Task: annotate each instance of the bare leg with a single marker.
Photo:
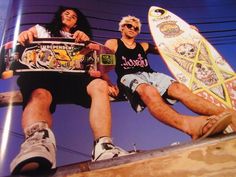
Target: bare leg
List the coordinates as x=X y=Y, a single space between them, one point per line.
x=37 y=110
x=100 y=111
x=100 y=122
x=164 y=113
x=196 y=103
x=38 y=150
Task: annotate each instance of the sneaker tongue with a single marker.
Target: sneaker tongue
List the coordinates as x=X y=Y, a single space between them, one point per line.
x=35 y=128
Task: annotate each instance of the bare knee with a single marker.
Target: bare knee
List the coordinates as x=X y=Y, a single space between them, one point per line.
x=176 y=89
x=41 y=95
x=97 y=86
x=148 y=93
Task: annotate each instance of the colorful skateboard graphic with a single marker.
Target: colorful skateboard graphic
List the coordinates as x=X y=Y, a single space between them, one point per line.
x=55 y=55
x=192 y=59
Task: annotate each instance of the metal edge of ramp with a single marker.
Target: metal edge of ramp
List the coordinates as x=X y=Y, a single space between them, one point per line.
x=214 y=157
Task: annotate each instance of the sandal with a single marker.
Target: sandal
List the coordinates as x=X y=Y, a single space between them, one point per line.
x=224 y=119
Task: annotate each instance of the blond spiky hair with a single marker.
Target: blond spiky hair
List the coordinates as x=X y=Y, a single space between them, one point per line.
x=128 y=19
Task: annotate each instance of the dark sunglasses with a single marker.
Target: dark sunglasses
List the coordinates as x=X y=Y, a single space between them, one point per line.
x=131 y=26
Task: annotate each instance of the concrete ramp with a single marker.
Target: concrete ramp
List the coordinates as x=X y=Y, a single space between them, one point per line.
x=212 y=157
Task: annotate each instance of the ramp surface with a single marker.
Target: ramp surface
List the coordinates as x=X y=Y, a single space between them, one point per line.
x=214 y=157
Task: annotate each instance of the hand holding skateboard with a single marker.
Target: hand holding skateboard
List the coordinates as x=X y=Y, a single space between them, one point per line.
x=55 y=55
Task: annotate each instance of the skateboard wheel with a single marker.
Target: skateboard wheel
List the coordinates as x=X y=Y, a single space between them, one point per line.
x=7 y=74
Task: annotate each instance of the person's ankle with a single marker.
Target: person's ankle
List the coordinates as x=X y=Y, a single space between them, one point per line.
x=104 y=139
x=37 y=126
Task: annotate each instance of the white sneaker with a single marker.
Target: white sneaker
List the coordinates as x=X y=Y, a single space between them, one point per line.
x=104 y=149
x=38 y=152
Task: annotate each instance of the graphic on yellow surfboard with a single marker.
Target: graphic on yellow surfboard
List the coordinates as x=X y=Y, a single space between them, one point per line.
x=192 y=59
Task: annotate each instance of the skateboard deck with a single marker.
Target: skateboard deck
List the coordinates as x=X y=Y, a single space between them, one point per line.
x=191 y=59
x=55 y=55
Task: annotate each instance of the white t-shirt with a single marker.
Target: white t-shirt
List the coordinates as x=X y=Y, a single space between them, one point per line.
x=43 y=33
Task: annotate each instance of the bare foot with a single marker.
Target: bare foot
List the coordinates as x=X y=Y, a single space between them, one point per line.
x=202 y=127
x=233 y=124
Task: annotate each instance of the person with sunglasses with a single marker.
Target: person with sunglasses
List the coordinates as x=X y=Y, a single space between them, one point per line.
x=43 y=91
x=144 y=87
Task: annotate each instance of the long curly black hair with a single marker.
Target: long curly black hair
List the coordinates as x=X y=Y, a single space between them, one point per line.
x=55 y=25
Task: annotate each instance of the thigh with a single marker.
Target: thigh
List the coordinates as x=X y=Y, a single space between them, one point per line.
x=132 y=81
x=129 y=84
x=160 y=81
x=73 y=90
x=30 y=81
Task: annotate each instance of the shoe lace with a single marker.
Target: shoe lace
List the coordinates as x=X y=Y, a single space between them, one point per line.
x=36 y=138
x=114 y=149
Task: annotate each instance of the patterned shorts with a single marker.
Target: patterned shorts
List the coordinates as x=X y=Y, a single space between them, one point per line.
x=160 y=81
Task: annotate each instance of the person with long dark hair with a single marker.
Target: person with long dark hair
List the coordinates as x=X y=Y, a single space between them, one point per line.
x=42 y=91
x=57 y=23
x=64 y=24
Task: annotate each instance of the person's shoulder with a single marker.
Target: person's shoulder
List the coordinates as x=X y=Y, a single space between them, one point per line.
x=39 y=27
x=145 y=45
x=111 y=41
x=112 y=44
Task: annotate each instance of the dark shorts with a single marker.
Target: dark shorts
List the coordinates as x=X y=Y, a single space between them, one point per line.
x=65 y=88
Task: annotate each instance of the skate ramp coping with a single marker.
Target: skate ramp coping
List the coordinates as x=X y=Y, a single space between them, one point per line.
x=215 y=157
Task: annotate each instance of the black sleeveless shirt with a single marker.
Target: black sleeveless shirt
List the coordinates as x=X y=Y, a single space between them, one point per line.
x=130 y=61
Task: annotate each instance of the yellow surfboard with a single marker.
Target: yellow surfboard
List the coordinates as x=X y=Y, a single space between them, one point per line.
x=191 y=59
